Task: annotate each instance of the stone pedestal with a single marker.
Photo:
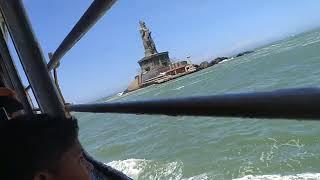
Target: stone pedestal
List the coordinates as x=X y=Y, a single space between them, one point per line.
x=153 y=65
x=154 y=61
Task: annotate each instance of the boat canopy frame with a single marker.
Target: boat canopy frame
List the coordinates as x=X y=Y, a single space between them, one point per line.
x=302 y=103
x=299 y=103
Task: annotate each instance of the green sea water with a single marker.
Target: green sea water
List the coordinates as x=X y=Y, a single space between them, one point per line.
x=163 y=147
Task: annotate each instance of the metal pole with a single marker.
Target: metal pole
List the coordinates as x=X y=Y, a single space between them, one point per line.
x=14 y=76
x=291 y=104
x=30 y=100
x=96 y=10
x=27 y=88
x=56 y=82
x=2 y=80
x=31 y=57
x=55 y=77
x=5 y=75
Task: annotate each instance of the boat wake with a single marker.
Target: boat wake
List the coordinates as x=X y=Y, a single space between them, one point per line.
x=148 y=169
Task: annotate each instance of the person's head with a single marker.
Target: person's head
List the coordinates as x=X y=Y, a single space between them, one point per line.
x=39 y=147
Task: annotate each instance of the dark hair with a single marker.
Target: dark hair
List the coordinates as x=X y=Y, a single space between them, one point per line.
x=34 y=143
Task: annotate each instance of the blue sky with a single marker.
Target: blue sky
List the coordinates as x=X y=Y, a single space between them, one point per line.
x=105 y=59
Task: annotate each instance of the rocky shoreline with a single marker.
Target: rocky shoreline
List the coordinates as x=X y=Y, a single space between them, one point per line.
x=196 y=67
x=206 y=64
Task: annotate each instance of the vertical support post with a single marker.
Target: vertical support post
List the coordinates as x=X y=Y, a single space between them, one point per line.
x=14 y=76
x=31 y=57
x=56 y=82
x=55 y=76
x=30 y=101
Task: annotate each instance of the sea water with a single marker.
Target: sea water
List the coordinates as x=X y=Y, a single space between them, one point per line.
x=163 y=147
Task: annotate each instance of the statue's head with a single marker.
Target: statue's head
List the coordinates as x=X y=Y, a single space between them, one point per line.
x=142 y=24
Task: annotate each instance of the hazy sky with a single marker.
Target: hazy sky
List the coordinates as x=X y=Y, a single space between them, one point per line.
x=105 y=59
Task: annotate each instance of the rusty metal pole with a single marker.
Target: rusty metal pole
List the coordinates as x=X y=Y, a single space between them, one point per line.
x=32 y=58
x=14 y=76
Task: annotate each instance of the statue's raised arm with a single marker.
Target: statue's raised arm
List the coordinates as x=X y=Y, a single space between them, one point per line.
x=148 y=44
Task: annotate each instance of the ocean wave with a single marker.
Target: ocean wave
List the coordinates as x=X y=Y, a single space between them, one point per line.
x=203 y=176
x=227 y=60
x=194 y=82
x=130 y=167
x=311 y=42
x=148 y=169
x=304 y=176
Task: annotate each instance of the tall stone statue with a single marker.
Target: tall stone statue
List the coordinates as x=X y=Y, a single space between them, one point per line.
x=148 y=44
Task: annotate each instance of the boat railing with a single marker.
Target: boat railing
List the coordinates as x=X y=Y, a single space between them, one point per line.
x=96 y=10
x=290 y=103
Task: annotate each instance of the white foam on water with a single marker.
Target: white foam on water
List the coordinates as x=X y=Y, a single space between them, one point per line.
x=311 y=42
x=178 y=88
x=226 y=60
x=147 y=169
x=304 y=176
x=130 y=167
x=195 y=82
x=199 y=177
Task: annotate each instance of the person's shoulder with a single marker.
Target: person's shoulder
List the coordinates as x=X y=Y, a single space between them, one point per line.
x=7 y=92
x=9 y=101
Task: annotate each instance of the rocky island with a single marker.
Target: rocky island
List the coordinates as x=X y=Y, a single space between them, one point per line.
x=156 y=67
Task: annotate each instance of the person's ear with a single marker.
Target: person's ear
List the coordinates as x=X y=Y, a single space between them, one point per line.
x=41 y=176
